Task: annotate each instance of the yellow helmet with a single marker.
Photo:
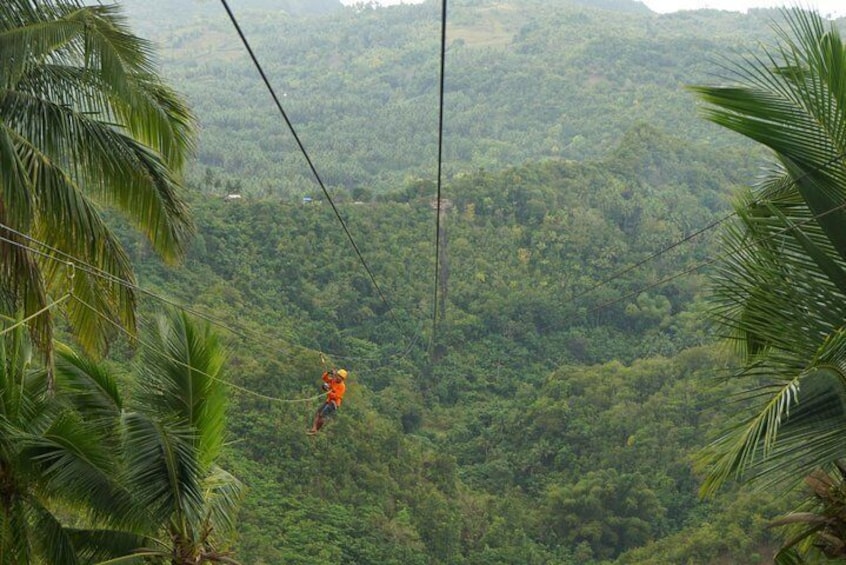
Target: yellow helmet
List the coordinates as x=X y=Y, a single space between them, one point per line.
x=342 y=373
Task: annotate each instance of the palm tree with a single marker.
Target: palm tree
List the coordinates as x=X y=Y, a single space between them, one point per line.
x=85 y=122
x=138 y=479
x=55 y=459
x=781 y=291
x=172 y=439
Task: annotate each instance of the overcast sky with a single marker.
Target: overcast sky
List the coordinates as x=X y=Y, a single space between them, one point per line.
x=825 y=7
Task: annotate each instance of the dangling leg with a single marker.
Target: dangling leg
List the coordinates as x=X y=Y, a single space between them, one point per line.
x=320 y=418
x=318 y=422
x=326 y=412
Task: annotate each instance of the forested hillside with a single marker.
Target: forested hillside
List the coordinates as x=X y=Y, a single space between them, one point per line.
x=554 y=409
x=554 y=415
x=559 y=420
x=524 y=80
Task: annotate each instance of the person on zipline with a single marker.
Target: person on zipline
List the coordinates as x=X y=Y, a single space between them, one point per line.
x=335 y=387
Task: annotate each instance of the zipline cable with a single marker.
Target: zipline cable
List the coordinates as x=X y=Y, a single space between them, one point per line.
x=164 y=355
x=302 y=148
x=713 y=260
x=90 y=269
x=440 y=175
x=35 y=315
x=618 y=274
x=97 y=272
x=786 y=183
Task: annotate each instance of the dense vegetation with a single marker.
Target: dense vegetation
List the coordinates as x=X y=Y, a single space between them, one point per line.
x=552 y=414
x=524 y=81
x=779 y=286
x=550 y=428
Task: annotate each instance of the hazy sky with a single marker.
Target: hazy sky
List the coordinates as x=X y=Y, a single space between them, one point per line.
x=825 y=7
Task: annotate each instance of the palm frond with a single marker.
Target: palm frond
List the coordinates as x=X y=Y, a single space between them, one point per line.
x=84 y=115
x=789 y=556
x=96 y=545
x=22 y=279
x=224 y=494
x=800 y=427
x=152 y=113
x=15 y=183
x=750 y=441
x=88 y=386
x=781 y=282
x=14 y=532
x=52 y=538
x=162 y=468
x=15 y=359
x=182 y=377
x=792 y=103
x=69 y=223
x=32 y=32
x=76 y=463
x=828 y=267
x=112 y=165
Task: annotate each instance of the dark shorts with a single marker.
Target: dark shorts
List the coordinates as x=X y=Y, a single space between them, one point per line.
x=327 y=409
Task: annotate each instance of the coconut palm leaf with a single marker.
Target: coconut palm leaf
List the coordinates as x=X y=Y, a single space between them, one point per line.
x=182 y=377
x=110 y=72
x=15 y=358
x=777 y=293
x=94 y=546
x=780 y=292
x=224 y=494
x=175 y=435
x=793 y=102
x=162 y=468
x=88 y=386
x=789 y=556
x=14 y=533
x=20 y=276
x=811 y=434
x=767 y=286
x=83 y=118
x=73 y=228
x=140 y=470
x=60 y=544
x=75 y=460
x=52 y=457
x=17 y=199
x=52 y=540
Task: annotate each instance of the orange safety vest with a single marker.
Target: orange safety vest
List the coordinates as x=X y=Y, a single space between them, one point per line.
x=337 y=388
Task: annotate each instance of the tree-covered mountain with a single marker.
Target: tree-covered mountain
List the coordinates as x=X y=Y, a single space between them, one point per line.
x=559 y=419
x=552 y=411
x=524 y=80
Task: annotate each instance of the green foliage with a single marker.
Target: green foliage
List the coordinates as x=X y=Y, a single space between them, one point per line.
x=524 y=82
x=539 y=402
x=779 y=289
x=88 y=476
x=85 y=122
x=607 y=511
x=738 y=531
x=554 y=416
